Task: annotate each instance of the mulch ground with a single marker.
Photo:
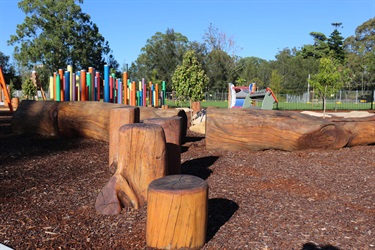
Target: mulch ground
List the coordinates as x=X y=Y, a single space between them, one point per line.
x=257 y=200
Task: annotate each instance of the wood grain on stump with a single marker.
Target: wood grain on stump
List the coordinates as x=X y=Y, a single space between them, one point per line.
x=118 y=117
x=141 y=159
x=172 y=129
x=177 y=212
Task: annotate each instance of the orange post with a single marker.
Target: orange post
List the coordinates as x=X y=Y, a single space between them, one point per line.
x=62 y=87
x=156 y=95
x=5 y=90
x=83 y=85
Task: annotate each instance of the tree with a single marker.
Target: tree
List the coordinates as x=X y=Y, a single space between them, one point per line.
x=361 y=54
x=221 y=69
x=335 y=43
x=160 y=57
x=9 y=71
x=275 y=82
x=29 y=89
x=221 y=60
x=317 y=50
x=328 y=80
x=254 y=69
x=189 y=79
x=56 y=33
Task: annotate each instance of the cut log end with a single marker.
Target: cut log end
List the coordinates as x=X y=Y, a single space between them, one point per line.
x=177 y=212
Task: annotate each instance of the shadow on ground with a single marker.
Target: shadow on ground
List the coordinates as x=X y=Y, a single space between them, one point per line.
x=199 y=167
x=219 y=212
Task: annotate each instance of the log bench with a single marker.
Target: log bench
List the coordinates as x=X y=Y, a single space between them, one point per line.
x=84 y=119
x=249 y=129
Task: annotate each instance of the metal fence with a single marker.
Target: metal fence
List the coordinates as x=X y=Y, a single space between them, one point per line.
x=342 y=100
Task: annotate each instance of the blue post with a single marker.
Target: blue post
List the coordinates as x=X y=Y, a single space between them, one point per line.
x=67 y=86
x=106 y=83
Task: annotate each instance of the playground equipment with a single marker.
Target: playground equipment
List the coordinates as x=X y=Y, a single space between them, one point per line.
x=35 y=79
x=248 y=97
x=5 y=90
x=90 y=85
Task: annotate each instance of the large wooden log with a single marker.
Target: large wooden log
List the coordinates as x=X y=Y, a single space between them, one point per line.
x=84 y=119
x=361 y=130
x=141 y=159
x=32 y=117
x=172 y=130
x=177 y=212
x=249 y=129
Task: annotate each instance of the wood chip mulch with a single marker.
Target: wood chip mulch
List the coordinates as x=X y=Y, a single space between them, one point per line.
x=257 y=200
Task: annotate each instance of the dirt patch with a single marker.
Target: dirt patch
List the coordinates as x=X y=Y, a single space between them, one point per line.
x=257 y=200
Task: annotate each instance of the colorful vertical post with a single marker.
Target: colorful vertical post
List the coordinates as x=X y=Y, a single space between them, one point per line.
x=58 y=90
x=106 y=83
x=124 y=81
x=89 y=86
x=83 y=85
x=71 y=89
x=67 y=86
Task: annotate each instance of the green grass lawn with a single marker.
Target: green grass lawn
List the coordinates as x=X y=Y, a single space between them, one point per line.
x=289 y=106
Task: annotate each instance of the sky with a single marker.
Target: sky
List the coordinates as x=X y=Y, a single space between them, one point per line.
x=259 y=28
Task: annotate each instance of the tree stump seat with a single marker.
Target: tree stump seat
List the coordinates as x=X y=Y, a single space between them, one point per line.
x=177 y=212
x=173 y=135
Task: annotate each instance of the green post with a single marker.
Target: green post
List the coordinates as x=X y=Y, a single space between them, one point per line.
x=88 y=83
x=58 y=93
x=164 y=89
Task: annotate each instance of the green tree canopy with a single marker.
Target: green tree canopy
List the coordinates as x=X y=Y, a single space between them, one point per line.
x=328 y=80
x=361 y=55
x=160 y=57
x=189 y=79
x=335 y=43
x=56 y=33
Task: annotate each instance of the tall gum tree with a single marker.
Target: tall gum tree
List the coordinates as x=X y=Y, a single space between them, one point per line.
x=56 y=33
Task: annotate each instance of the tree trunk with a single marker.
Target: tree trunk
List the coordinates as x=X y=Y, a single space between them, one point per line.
x=177 y=212
x=141 y=159
x=249 y=129
x=172 y=131
x=32 y=117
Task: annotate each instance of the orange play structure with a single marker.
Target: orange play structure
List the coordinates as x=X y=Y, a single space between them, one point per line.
x=5 y=90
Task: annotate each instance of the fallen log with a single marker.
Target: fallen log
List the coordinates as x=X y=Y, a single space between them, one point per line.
x=91 y=119
x=361 y=130
x=249 y=129
x=32 y=117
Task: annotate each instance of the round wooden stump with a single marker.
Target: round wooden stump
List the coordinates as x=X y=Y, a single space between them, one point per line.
x=177 y=212
x=172 y=129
